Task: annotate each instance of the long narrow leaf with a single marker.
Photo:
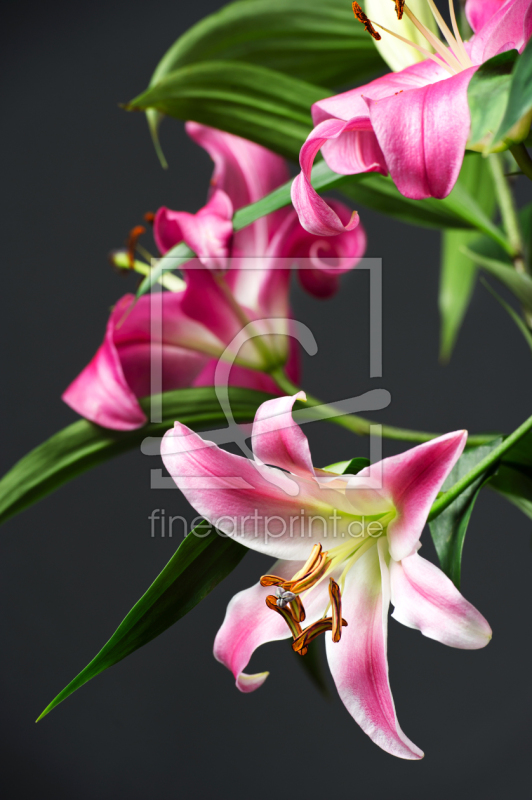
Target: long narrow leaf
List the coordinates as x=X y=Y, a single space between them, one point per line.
x=307 y=39
x=260 y=104
x=458 y=271
x=519 y=284
x=83 y=445
x=519 y=104
x=448 y=530
x=203 y=559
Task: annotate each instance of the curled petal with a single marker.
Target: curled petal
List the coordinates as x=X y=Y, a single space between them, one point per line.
x=278 y=440
x=208 y=232
x=425 y=599
x=315 y=215
x=246 y=172
x=320 y=261
x=359 y=661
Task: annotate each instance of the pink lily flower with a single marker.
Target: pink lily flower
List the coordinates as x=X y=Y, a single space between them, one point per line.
x=413 y=124
x=245 y=172
x=199 y=322
x=279 y=504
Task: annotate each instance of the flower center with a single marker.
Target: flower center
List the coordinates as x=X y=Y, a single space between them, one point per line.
x=453 y=59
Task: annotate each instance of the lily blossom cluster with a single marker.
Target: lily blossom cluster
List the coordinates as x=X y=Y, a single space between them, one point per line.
x=412 y=124
x=238 y=279
x=344 y=552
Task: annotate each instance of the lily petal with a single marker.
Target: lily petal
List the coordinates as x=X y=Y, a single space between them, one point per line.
x=479 y=12
x=321 y=260
x=261 y=507
x=423 y=134
x=249 y=623
x=507 y=29
x=278 y=440
x=315 y=215
x=208 y=232
x=246 y=172
x=106 y=391
x=425 y=599
x=359 y=662
x=411 y=482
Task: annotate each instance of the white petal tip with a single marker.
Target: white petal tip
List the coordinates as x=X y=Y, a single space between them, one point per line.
x=248 y=683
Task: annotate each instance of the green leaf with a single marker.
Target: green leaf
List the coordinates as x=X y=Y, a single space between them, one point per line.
x=515 y=485
x=488 y=97
x=448 y=530
x=83 y=445
x=203 y=559
x=355 y=466
x=523 y=328
x=518 y=283
x=458 y=271
x=516 y=121
x=254 y=102
x=459 y=210
x=307 y=39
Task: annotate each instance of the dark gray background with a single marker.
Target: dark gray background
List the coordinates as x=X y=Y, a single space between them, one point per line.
x=77 y=174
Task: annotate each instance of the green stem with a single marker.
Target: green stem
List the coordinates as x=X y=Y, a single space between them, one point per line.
x=489 y=461
x=522 y=156
x=362 y=426
x=509 y=213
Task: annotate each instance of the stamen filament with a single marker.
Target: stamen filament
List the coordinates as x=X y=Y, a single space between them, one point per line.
x=460 y=45
x=440 y=48
x=420 y=49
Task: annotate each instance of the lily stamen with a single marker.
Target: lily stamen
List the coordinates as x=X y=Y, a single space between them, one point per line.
x=368 y=25
x=336 y=606
x=454 y=58
x=312 y=632
x=306 y=577
x=295 y=627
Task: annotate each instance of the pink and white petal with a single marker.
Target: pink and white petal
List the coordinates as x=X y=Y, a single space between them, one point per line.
x=479 y=12
x=101 y=392
x=205 y=302
x=261 y=507
x=350 y=106
x=278 y=440
x=359 y=661
x=411 y=482
x=320 y=260
x=238 y=376
x=246 y=172
x=425 y=599
x=508 y=28
x=423 y=134
x=249 y=623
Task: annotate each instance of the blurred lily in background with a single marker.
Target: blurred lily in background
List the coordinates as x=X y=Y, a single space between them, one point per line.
x=412 y=124
x=280 y=505
x=237 y=279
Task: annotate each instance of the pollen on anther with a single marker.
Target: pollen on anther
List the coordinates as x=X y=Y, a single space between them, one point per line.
x=359 y=14
x=399 y=8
